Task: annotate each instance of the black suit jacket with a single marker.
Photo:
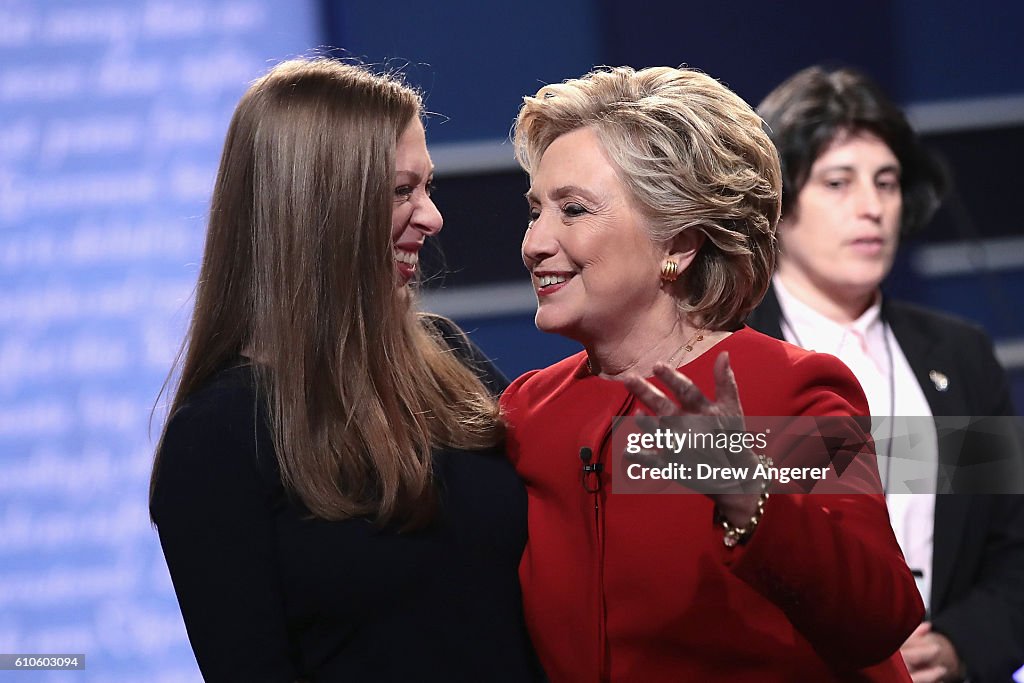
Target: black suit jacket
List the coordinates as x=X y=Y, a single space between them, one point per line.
x=977 y=591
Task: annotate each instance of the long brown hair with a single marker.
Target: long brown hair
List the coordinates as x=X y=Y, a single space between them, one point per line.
x=298 y=273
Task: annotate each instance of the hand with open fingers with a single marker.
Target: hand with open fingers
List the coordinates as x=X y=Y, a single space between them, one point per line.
x=736 y=499
x=930 y=656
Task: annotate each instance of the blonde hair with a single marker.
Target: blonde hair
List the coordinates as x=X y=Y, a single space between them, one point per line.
x=693 y=156
x=298 y=272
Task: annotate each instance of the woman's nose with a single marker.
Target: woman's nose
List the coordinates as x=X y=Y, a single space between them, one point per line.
x=427 y=218
x=870 y=202
x=538 y=243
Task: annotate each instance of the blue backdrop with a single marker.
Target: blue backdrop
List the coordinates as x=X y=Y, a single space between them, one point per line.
x=112 y=115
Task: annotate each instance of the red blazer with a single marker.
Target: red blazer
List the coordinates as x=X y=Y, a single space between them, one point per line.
x=642 y=587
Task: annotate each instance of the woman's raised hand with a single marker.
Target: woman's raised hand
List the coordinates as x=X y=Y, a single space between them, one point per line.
x=736 y=498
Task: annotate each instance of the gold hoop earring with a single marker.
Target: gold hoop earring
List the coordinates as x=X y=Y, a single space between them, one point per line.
x=669 y=270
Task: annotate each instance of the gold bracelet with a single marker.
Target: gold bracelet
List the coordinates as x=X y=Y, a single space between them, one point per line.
x=736 y=535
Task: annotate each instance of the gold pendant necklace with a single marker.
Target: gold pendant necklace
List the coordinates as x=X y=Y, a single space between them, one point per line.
x=697 y=337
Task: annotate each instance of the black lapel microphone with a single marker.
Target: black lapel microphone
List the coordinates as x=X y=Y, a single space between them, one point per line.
x=591 y=475
x=586 y=455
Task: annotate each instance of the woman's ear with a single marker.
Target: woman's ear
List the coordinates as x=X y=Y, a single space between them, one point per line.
x=684 y=247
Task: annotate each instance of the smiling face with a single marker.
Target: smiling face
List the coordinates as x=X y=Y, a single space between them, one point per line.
x=839 y=243
x=414 y=217
x=593 y=264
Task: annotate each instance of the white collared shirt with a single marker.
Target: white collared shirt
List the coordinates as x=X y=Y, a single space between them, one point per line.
x=868 y=348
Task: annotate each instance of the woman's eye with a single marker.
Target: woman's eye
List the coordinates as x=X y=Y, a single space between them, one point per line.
x=835 y=184
x=430 y=187
x=534 y=214
x=572 y=209
x=404 y=191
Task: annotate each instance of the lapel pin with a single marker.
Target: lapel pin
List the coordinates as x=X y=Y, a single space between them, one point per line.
x=940 y=381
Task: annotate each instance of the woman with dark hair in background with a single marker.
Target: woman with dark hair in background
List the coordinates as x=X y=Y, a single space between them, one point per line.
x=653 y=203
x=855 y=178
x=328 y=488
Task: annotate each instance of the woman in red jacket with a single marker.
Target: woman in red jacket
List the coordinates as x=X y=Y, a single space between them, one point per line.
x=653 y=205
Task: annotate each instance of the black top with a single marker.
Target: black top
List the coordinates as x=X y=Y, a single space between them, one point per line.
x=270 y=594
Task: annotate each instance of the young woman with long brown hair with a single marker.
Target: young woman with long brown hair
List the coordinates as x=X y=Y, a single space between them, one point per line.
x=328 y=489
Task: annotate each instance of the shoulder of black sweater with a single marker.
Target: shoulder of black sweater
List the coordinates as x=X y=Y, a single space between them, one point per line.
x=229 y=401
x=469 y=353
x=219 y=431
